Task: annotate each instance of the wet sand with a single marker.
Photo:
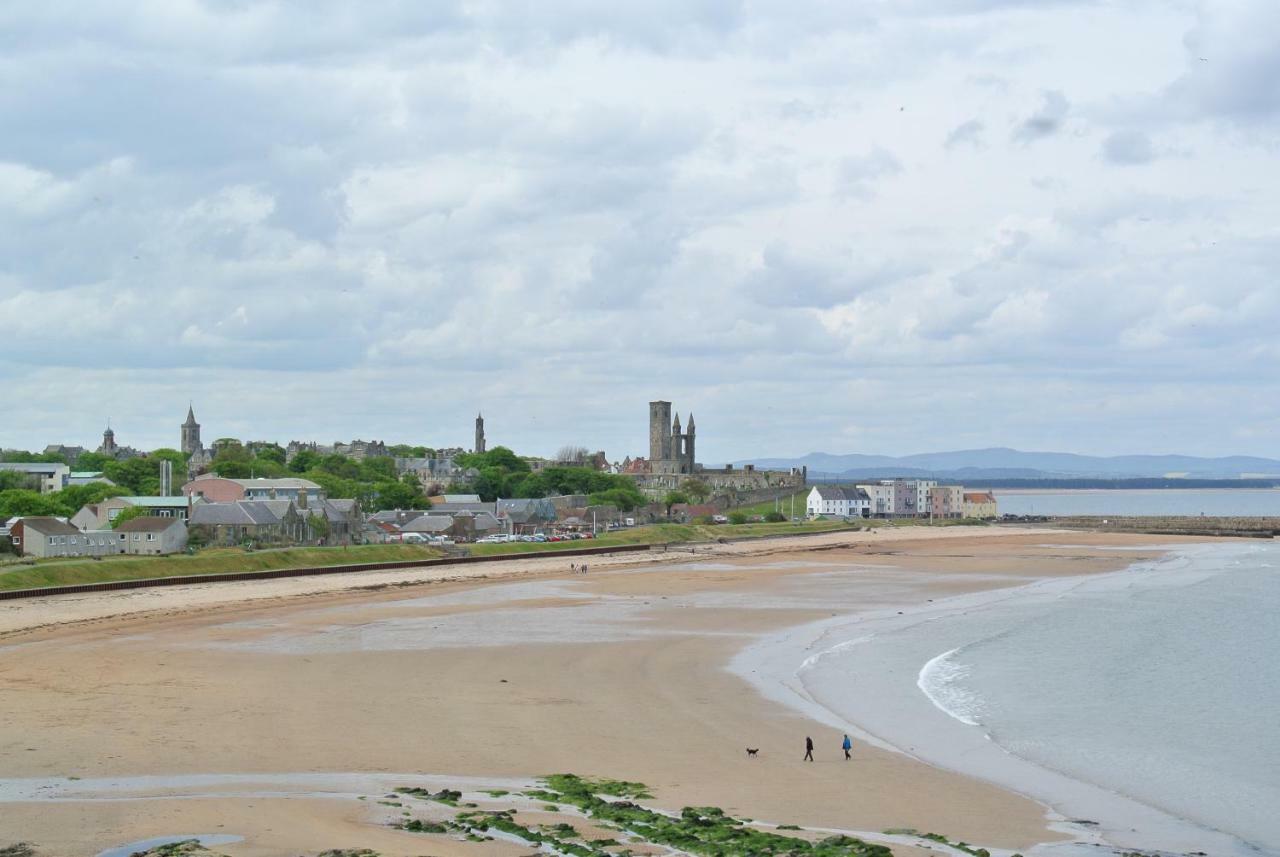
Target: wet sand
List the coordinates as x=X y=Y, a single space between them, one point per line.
x=620 y=673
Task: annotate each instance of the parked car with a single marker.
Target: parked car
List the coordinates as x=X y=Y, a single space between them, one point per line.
x=588 y=535
x=495 y=539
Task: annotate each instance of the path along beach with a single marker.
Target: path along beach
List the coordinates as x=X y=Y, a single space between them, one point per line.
x=497 y=673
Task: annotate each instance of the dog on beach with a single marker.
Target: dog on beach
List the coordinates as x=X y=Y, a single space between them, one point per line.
x=752 y=753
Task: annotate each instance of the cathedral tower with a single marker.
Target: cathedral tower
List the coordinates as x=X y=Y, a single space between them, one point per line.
x=480 y=445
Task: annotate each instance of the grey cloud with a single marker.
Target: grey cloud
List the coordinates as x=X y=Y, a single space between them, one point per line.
x=1127 y=148
x=966 y=133
x=1046 y=121
x=858 y=173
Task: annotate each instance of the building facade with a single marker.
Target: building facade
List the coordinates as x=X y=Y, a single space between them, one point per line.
x=47 y=476
x=43 y=537
x=218 y=489
x=980 y=505
x=150 y=536
x=838 y=502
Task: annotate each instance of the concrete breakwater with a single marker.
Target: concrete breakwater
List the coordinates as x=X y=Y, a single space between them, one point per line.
x=1178 y=525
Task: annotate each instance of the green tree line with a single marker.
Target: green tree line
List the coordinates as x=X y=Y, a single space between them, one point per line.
x=504 y=474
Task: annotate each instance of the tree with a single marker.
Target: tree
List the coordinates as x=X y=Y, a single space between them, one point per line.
x=672 y=498
x=93 y=462
x=499 y=456
x=74 y=497
x=775 y=517
x=140 y=476
x=340 y=465
x=737 y=517
x=304 y=460
x=696 y=489
x=572 y=454
x=271 y=452
x=399 y=495
x=379 y=468
x=128 y=513
x=16 y=479
x=22 y=501
x=625 y=498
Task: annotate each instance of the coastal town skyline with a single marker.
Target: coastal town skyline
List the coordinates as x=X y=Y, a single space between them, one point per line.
x=464 y=438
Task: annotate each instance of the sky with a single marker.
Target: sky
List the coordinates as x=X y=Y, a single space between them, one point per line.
x=882 y=227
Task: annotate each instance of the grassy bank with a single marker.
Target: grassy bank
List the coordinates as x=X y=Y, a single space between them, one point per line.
x=782 y=505
x=211 y=561
x=664 y=534
x=219 y=560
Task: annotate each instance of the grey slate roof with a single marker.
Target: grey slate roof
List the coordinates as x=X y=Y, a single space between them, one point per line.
x=461 y=507
x=428 y=524
x=149 y=524
x=835 y=493
x=241 y=513
x=49 y=526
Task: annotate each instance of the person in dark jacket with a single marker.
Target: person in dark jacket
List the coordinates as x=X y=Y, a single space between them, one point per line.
x=808 y=749
x=847 y=745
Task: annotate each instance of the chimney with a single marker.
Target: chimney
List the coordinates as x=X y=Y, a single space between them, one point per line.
x=302 y=499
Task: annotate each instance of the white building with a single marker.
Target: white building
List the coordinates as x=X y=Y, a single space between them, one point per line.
x=838 y=502
x=50 y=476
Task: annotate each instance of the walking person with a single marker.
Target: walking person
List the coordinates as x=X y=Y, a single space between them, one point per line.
x=573 y=568
x=808 y=749
x=847 y=745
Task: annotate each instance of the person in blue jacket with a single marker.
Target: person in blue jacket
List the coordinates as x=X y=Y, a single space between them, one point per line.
x=848 y=745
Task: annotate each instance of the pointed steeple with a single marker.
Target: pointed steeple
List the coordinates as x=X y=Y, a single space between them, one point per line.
x=675 y=426
x=191 y=415
x=691 y=426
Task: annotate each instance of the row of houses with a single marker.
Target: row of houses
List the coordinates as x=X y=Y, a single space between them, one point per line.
x=44 y=537
x=900 y=498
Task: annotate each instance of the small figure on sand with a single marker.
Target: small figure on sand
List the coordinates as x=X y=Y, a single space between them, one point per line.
x=808 y=749
x=573 y=568
x=847 y=745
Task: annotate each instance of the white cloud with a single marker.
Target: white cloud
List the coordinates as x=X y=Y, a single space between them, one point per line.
x=321 y=223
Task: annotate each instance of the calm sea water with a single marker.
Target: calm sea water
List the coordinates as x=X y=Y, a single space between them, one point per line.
x=1212 y=503
x=1165 y=690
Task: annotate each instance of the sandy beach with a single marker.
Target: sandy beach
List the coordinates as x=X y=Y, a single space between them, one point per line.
x=268 y=710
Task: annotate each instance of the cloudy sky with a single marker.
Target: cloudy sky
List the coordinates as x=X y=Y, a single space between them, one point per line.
x=883 y=227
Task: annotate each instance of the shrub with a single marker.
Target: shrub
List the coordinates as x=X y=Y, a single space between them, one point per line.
x=775 y=517
x=737 y=518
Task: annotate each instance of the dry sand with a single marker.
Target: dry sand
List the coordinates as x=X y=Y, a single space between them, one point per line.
x=509 y=670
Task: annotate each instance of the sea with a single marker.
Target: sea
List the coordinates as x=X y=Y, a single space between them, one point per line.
x=1120 y=502
x=1140 y=706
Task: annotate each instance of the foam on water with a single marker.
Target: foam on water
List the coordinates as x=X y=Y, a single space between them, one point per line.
x=940 y=680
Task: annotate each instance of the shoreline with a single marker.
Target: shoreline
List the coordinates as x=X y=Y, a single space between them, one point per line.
x=618 y=674
x=64 y=609
x=964 y=745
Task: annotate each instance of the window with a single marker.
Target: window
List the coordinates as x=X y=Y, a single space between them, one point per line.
x=73 y=540
x=52 y=541
x=151 y=537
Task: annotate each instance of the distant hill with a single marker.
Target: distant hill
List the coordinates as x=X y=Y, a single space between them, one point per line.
x=1003 y=463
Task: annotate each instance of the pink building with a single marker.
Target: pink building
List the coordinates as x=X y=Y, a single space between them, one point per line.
x=217 y=489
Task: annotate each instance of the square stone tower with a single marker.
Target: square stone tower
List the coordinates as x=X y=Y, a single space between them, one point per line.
x=659 y=431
